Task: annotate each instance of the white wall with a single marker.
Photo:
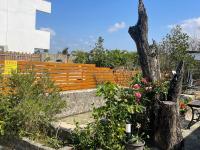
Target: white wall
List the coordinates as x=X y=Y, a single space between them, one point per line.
x=17 y=25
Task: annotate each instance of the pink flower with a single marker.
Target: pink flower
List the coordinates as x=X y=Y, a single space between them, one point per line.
x=138 y=95
x=136 y=86
x=144 y=81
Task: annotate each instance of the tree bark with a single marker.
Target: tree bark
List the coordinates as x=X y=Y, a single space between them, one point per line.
x=148 y=58
x=167 y=135
x=167 y=131
x=174 y=92
x=175 y=87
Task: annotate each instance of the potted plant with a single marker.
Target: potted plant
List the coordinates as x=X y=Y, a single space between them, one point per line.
x=135 y=140
x=135 y=143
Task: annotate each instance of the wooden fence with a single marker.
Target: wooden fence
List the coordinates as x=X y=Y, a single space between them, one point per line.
x=77 y=76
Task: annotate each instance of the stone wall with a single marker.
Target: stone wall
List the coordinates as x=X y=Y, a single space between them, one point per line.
x=80 y=101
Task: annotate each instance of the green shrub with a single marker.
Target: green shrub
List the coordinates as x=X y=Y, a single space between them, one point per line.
x=28 y=105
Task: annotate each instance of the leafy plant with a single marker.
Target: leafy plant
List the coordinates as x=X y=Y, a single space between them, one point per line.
x=29 y=105
x=107 y=132
x=2 y=126
x=98 y=53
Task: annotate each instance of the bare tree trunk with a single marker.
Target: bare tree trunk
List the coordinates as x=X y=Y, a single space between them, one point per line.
x=167 y=136
x=164 y=115
x=167 y=128
x=176 y=84
x=174 y=92
x=148 y=58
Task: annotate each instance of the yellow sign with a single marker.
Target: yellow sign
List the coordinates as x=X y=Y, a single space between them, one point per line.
x=9 y=66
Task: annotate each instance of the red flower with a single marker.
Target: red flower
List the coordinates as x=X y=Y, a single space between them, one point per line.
x=144 y=81
x=182 y=105
x=136 y=86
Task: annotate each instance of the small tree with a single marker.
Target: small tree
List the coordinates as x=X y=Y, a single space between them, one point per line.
x=65 y=51
x=174 y=48
x=98 y=54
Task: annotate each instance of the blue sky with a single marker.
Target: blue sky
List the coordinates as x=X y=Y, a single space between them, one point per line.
x=78 y=23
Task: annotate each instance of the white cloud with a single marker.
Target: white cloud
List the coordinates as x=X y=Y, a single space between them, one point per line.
x=117 y=26
x=190 y=26
x=52 y=32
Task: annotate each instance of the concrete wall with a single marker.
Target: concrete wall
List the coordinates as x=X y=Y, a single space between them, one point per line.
x=24 y=144
x=17 y=27
x=55 y=57
x=80 y=101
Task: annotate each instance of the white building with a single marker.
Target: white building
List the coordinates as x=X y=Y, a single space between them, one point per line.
x=18 y=23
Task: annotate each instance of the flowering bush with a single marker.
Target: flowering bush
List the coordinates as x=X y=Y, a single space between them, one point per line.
x=121 y=104
x=108 y=130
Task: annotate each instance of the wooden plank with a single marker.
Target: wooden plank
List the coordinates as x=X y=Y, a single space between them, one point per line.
x=61 y=82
